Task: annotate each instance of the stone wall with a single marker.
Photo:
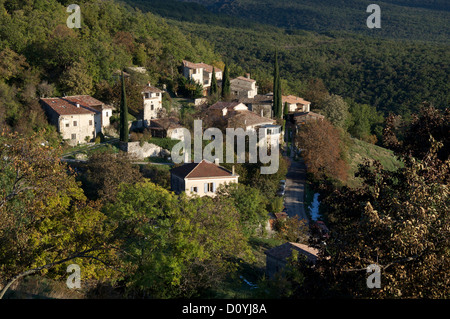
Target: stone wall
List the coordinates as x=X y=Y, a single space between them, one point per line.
x=142 y=151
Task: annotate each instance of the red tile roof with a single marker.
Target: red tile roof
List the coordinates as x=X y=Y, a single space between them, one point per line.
x=206 y=67
x=68 y=105
x=204 y=169
x=247 y=118
x=243 y=78
x=65 y=106
x=291 y=99
x=223 y=105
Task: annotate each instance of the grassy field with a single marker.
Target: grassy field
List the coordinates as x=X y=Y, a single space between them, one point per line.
x=359 y=151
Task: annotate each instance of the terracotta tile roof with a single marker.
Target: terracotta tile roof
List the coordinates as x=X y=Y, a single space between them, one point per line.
x=284 y=251
x=68 y=106
x=300 y=115
x=291 y=99
x=151 y=89
x=259 y=98
x=243 y=78
x=247 y=118
x=165 y=123
x=223 y=105
x=206 y=67
x=204 y=169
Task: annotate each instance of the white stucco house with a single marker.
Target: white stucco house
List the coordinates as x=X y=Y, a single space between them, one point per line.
x=296 y=104
x=201 y=179
x=201 y=73
x=243 y=87
x=78 y=118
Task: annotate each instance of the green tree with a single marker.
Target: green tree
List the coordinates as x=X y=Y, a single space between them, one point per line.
x=335 y=109
x=174 y=246
x=277 y=98
x=123 y=114
x=250 y=204
x=76 y=79
x=226 y=83
x=214 y=88
x=46 y=221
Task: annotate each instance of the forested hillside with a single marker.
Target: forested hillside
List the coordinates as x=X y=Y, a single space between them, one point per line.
x=41 y=56
x=392 y=75
x=401 y=19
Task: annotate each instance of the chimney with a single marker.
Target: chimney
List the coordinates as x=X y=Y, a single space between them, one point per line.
x=78 y=105
x=149 y=84
x=232 y=170
x=247 y=75
x=216 y=161
x=262 y=113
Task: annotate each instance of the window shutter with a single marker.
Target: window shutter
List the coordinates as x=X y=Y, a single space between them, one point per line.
x=206 y=187
x=214 y=187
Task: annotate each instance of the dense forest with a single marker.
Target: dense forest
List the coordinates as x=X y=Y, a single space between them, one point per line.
x=402 y=19
x=391 y=75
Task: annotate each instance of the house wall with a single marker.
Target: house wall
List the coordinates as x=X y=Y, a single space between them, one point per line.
x=155 y=102
x=194 y=74
x=177 y=134
x=200 y=184
x=243 y=89
x=85 y=127
x=177 y=184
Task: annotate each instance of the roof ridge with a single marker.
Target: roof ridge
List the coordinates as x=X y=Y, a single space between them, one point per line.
x=193 y=169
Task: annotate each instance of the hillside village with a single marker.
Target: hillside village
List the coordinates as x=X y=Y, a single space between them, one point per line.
x=81 y=120
x=165 y=151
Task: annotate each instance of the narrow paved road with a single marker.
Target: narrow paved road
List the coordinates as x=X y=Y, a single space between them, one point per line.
x=295 y=190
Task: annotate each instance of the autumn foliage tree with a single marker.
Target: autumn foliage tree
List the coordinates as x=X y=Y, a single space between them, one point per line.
x=322 y=150
x=397 y=220
x=45 y=218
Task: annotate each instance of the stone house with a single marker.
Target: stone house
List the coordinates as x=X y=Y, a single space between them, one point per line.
x=222 y=109
x=260 y=104
x=78 y=118
x=152 y=103
x=296 y=104
x=243 y=87
x=201 y=179
x=201 y=73
x=278 y=257
x=167 y=127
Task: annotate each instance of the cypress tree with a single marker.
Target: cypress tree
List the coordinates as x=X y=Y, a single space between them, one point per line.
x=214 y=83
x=277 y=99
x=226 y=83
x=123 y=114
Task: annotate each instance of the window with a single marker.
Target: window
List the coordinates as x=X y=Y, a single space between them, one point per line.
x=152 y=107
x=157 y=94
x=74 y=136
x=67 y=124
x=210 y=187
x=90 y=122
x=74 y=123
x=107 y=115
x=194 y=189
